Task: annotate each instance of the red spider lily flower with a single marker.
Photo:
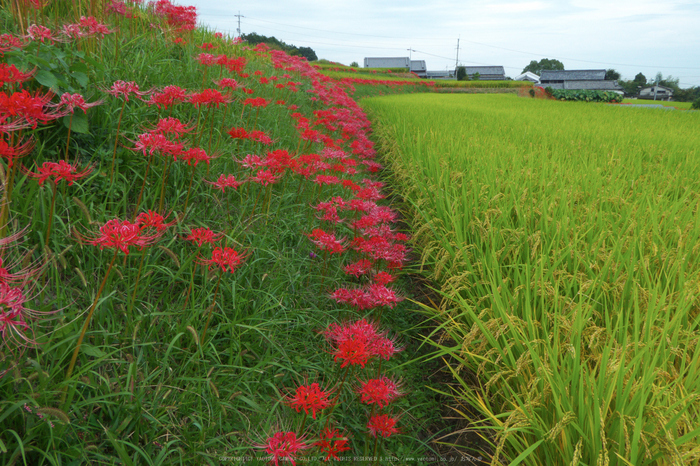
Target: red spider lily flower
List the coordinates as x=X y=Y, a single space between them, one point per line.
x=171 y=125
x=327 y=241
x=252 y=161
x=206 y=59
x=9 y=74
x=260 y=136
x=264 y=177
x=352 y=341
x=13 y=324
x=118 y=234
x=356 y=343
x=236 y=65
x=24 y=105
x=332 y=442
x=59 y=171
x=227 y=83
x=153 y=219
x=71 y=101
x=93 y=27
x=326 y=179
x=382 y=425
x=384 y=347
x=202 y=235
x=120 y=8
x=284 y=446
x=9 y=42
x=180 y=40
x=383 y=278
x=207 y=46
x=41 y=33
x=73 y=31
x=23 y=276
x=227 y=258
x=358 y=268
x=383 y=296
x=151 y=142
x=125 y=89
x=256 y=102
x=381 y=391
x=15 y=152
x=208 y=97
x=170 y=95
x=196 y=155
x=238 y=133
x=356 y=298
x=224 y=182
x=309 y=397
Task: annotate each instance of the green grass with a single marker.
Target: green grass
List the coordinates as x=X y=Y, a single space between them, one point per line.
x=563 y=239
x=149 y=387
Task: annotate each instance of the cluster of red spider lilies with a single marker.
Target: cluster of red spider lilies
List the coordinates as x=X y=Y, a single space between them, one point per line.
x=330 y=163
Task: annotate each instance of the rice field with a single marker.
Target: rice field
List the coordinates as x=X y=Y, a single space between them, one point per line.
x=564 y=240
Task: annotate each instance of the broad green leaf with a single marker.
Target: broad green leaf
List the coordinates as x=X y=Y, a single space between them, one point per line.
x=47 y=79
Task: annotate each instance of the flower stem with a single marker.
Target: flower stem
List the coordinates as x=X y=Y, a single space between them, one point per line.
x=211 y=308
x=53 y=203
x=116 y=140
x=87 y=323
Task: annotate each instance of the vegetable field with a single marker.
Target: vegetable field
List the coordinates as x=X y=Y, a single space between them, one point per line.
x=565 y=239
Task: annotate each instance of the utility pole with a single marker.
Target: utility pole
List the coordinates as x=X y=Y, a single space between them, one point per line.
x=239 y=22
x=457 y=59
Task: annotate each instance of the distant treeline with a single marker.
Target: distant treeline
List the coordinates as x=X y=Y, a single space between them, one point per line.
x=273 y=42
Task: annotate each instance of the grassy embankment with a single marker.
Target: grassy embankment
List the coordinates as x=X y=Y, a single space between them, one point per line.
x=564 y=240
x=124 y=337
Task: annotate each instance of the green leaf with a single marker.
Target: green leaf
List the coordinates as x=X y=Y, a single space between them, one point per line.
x=81 y=78
x=78 y=67
x=92 y=350
x=47 y=79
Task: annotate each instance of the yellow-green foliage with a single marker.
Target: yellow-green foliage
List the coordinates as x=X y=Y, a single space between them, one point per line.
x=482 y=84
x=566 y=240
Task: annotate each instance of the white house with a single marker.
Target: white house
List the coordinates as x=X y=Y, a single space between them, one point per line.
x=527 y=76
x=656 y=93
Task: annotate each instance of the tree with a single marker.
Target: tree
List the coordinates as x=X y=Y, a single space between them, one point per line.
x=462 y=74
x=640 y=79
x=354 y=64
x=612 y=75
x=274 y=43
x=544 y=64
x=308 y=53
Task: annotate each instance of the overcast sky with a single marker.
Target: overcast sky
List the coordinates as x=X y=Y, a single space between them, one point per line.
x=631 y=36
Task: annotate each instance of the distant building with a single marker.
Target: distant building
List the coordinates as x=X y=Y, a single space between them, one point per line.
x=416 y=66
x=589 y=80
x=387 y=62
x=486 y=73
x=442 y=74
x=656 y=93
x=527 y=76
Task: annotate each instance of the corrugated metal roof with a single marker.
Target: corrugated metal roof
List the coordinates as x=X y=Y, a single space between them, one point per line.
x=572 y=75
x=485 y=70
x=585 y=85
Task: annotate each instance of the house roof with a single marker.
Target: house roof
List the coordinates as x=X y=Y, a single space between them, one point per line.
x=572 y=75
x=527 y=76
x=651 y=88
x=485 y=70
x=586 y=85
